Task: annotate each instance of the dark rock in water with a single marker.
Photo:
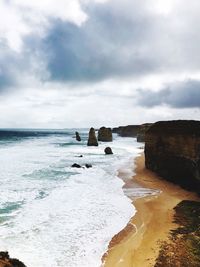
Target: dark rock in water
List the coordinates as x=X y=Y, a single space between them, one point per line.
x=105 y=134
x=172 y=150
x=88 y=165
x=92 y=140
x=108 y=151
x=75 y=165
x=78 y=138
x=6 y=261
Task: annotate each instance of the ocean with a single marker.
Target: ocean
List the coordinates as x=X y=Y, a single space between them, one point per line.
x=52 y=214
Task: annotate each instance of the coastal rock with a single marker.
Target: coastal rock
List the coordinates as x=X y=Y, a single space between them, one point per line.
x=108 y=151
x=142 y=131
x=105 y=134
x=75 y=165
x=127 y=131
x=6 y=261
x=137 y=131
x=78 y=138
x=92 y=140
x=88 y=165
x=172 y=150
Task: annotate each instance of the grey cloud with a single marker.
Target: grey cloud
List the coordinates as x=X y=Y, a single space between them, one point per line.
x=15 y=67
x=108 y=45
x=178 y=95
x=120 y=39
x=7 y=78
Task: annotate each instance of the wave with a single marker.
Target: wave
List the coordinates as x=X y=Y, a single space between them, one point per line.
x=54 y=215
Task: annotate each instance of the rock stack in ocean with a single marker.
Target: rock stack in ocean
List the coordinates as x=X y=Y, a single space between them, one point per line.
x=92 y=140
x=78 y=138
x=105 y=134
x=6 y=261
x=172 y=150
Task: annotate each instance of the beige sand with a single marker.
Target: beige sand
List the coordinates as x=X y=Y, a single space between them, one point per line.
x=138 y=244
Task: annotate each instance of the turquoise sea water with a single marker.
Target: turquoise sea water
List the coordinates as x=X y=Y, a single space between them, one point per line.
x=54 y=215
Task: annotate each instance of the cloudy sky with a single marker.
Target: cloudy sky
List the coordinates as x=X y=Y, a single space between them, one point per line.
x=81 y=63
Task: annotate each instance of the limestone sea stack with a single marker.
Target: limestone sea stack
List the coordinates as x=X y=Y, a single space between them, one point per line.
x=92 y=140
x=105 y=134
x=78 y=138
x=172 y=150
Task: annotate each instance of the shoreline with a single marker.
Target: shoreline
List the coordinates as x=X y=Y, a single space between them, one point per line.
x=138 y=244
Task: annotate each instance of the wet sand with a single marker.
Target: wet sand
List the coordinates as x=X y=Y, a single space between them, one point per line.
x=138 y=244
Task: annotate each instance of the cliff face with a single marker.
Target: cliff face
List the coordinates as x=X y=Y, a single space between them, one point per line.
x=172 y=149
x=127 y=131
x=142 y=131
x=137 y=131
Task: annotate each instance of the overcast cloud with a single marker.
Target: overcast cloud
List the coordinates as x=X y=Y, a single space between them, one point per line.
x=184 y=94
x=138 y=59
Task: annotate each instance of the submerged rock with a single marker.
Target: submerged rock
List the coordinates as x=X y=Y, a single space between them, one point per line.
x=105 y=134
x=88 y=165
x=92 y=140
x=75 y=165
x=78 y=138
x=6 y=261
x=108 y=151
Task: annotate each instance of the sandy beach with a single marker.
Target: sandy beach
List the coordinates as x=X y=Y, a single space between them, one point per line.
x=138 y=244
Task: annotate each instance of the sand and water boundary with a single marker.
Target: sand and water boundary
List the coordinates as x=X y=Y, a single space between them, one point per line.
x=138 y=244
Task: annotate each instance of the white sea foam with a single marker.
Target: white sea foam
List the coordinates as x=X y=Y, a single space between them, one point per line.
x=63 y=216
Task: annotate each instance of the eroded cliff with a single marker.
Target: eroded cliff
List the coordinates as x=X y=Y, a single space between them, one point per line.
x=137 y=131
x=172 y=150
x=127 y=131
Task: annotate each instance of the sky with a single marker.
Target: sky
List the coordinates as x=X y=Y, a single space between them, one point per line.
x=82 y=63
